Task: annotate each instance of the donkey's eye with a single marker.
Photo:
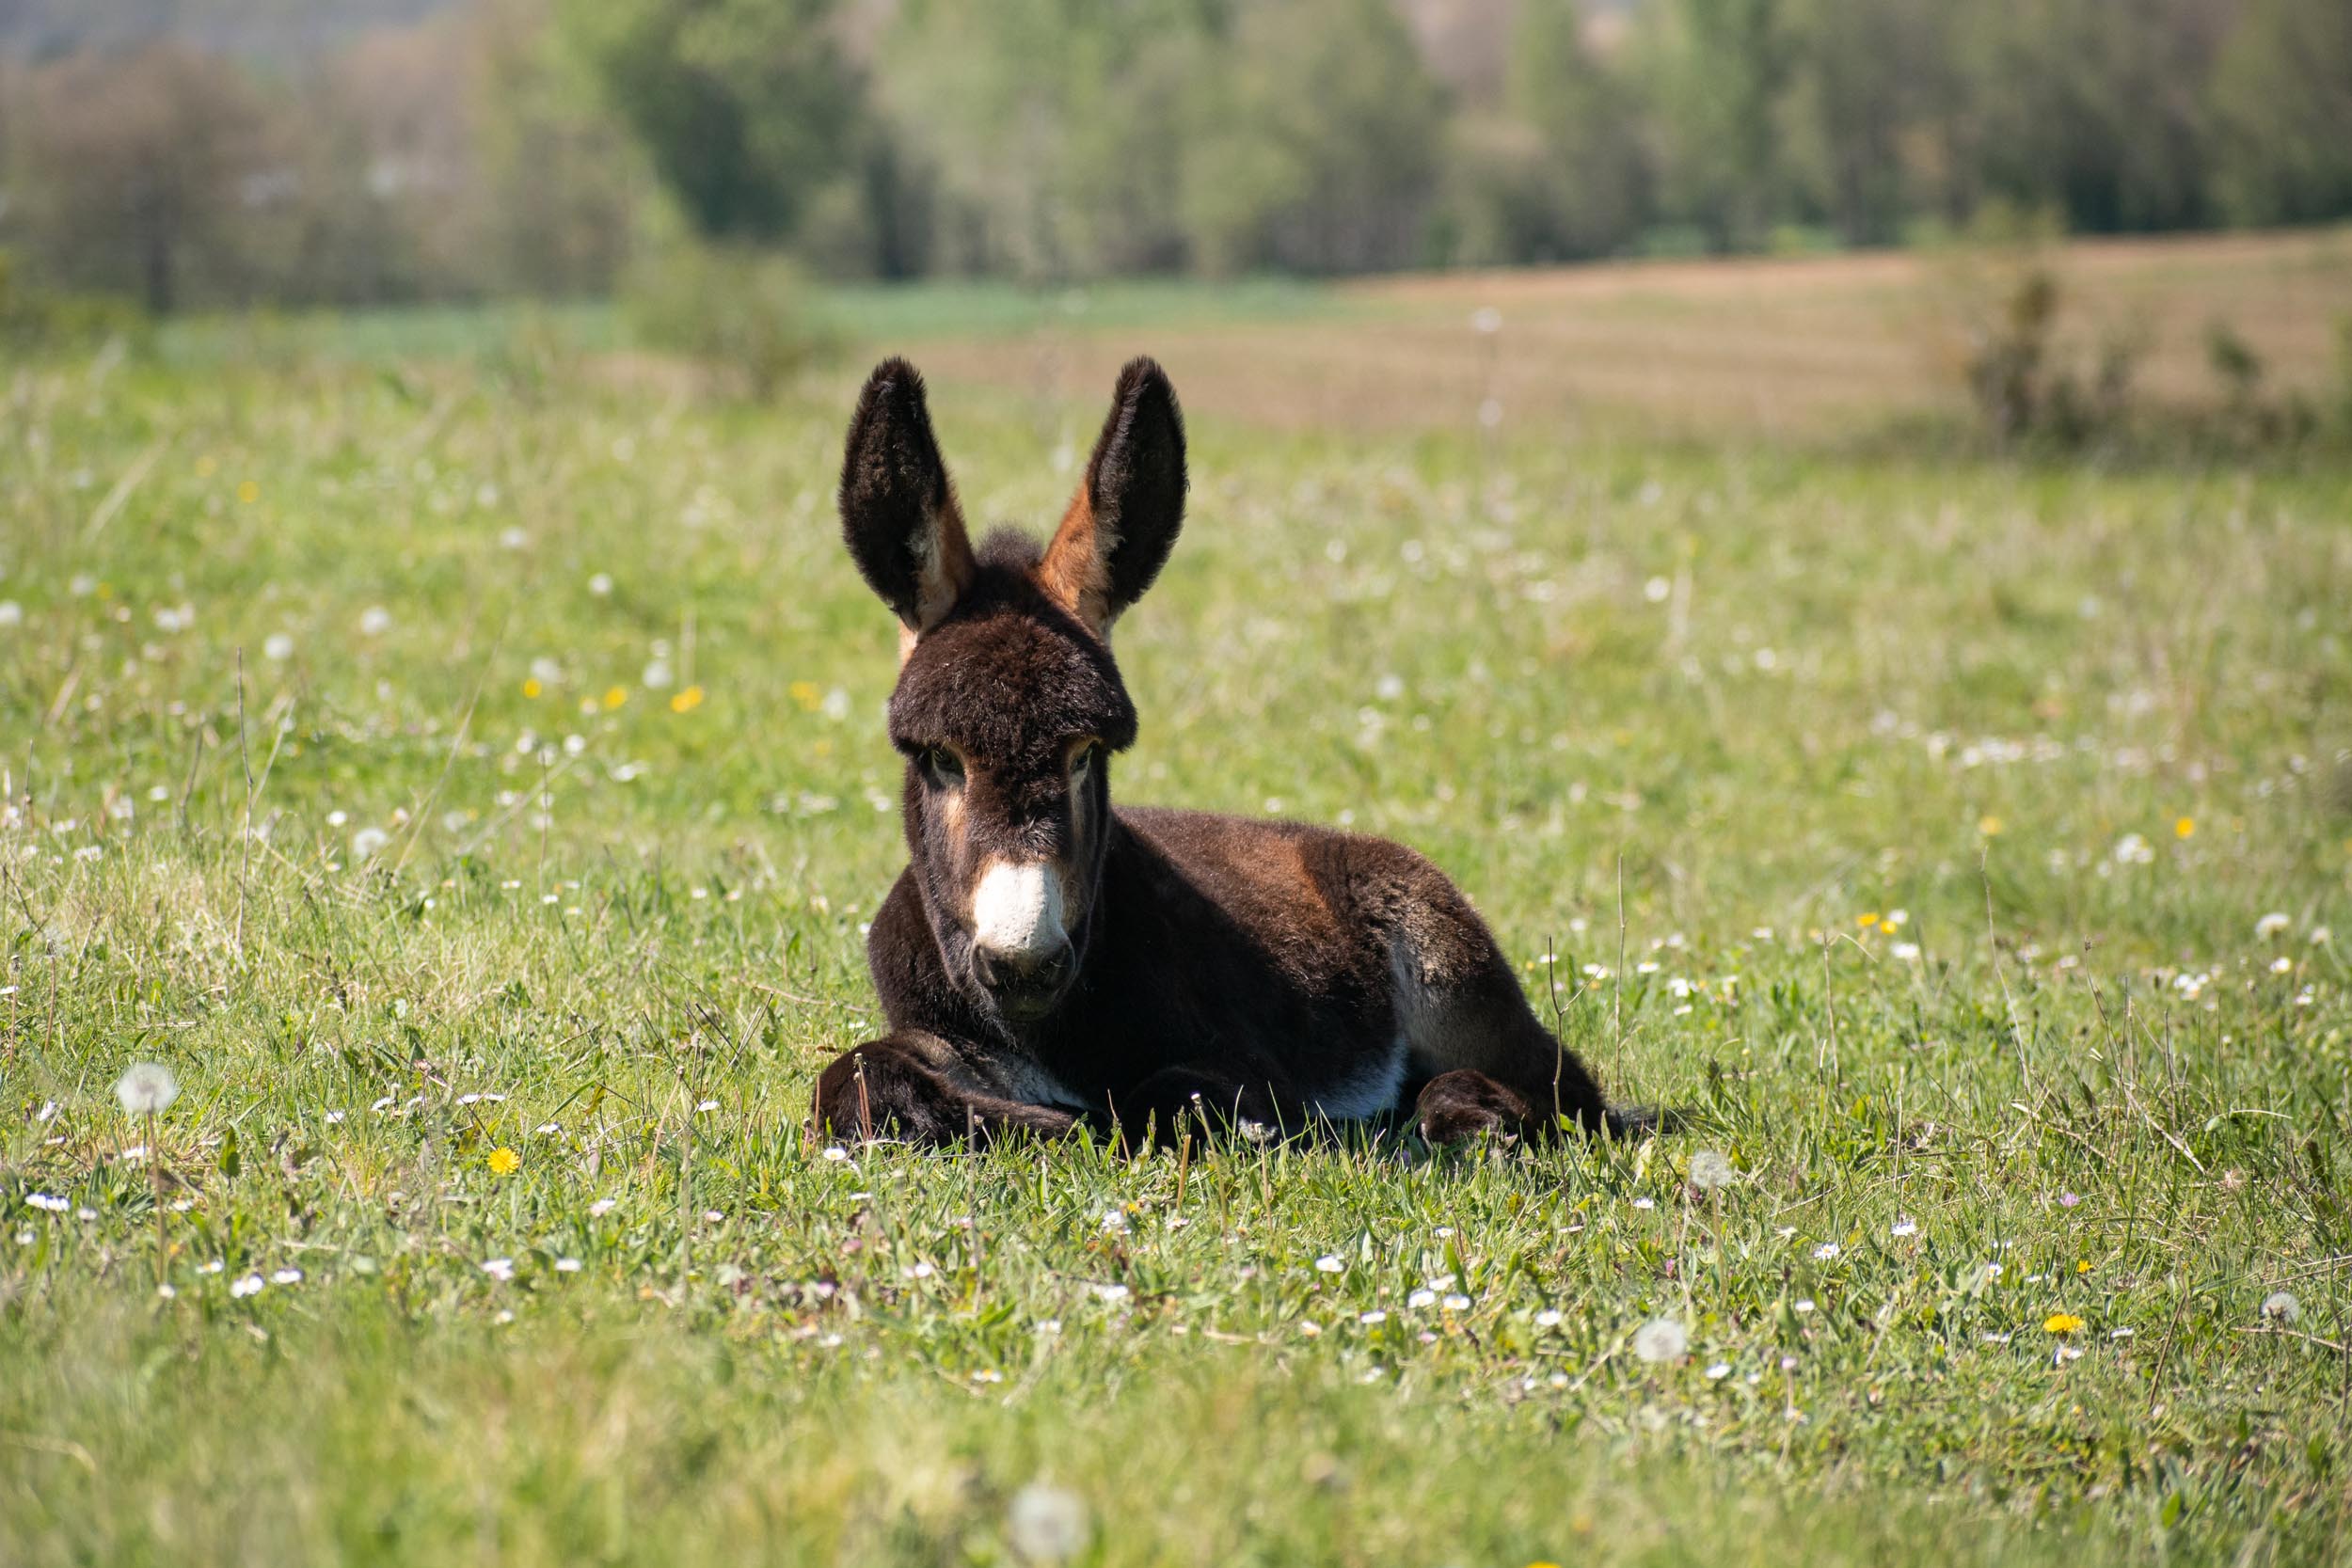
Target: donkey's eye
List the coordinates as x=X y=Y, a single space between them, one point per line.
x=1083 y=762
x=942 y=766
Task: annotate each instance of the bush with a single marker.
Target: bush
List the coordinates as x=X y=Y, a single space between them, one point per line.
x=36 y=321
x=748 y=313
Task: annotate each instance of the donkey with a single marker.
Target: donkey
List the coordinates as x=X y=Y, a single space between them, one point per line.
x=1044 y=960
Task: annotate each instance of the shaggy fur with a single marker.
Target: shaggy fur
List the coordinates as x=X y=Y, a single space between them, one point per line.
x=1216 y=968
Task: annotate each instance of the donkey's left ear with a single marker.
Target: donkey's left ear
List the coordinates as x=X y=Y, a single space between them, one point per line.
x=1123 y=520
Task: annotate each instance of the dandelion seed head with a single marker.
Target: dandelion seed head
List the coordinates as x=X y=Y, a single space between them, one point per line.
x=2281 y=1307
x=1047 y=1523
x=1660 y=1339
x=146 y=1088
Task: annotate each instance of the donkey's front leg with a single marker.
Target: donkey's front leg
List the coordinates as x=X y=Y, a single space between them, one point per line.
x=1201 y=1100
x=888 y=1088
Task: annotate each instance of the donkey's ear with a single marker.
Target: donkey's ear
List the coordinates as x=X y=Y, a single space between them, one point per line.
x=1123 y=520
x=898 y=513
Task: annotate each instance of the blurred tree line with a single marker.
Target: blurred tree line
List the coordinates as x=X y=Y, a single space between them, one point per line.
x=528 y=146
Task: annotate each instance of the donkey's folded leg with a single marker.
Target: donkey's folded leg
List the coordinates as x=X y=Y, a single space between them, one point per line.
x=1201 y=1100
x=888 y=1088
x=1457 y=1106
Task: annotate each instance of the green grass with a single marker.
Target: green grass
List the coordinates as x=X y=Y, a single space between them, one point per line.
x=878 y=312
x=1753 y=695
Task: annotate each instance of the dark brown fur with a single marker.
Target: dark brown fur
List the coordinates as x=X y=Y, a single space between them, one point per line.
x=1194 y=969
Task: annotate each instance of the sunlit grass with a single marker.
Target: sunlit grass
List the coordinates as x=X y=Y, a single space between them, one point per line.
x=1980 y=835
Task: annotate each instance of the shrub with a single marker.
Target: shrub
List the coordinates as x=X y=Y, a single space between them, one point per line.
x=37 y=321
x=747 y=313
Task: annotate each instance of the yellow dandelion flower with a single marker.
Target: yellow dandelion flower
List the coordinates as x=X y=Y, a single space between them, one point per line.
x=248 y=492
x=2185 y=828
x=1989 y=825
x=686 y=701
x=532 y=687
x=2083 y=1267
x=2061 y=1323
x=504 y=1161
x=614 y=696
x=806 y=694
x=1867 y=920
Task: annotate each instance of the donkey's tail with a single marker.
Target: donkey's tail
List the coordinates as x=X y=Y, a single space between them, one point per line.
x=1634 y=1121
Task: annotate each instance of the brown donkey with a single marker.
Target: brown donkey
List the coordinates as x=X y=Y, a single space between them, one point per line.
x=1045 y=960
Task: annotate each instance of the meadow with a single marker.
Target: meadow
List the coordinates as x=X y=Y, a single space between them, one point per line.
x=453 y=750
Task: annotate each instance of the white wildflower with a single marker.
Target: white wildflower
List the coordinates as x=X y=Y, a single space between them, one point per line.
x=2281 y=1307
x=2270 y=926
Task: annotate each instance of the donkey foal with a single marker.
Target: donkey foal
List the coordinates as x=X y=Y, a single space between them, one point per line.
x=1044 y=959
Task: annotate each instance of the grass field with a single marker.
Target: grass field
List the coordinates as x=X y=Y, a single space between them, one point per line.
x=465 y=771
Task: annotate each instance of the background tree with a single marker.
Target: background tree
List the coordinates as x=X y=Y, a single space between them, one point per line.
x=2281 y=113
x=139 y=171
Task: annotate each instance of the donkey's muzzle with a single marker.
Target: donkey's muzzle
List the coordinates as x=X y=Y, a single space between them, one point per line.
x=1023 y=985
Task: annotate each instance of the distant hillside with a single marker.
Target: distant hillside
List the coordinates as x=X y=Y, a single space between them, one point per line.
x=265 y=29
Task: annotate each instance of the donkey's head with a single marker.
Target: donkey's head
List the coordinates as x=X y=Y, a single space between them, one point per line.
x=1008 y=704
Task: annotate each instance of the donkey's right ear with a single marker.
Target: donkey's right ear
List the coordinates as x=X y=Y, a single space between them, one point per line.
x=898 y=513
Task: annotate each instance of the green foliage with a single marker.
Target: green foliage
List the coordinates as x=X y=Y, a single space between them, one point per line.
x=748 y=108
x=36 y=321
x=2282 y=97
x=1562 y=173
x=1071 y=142
x=747 y=313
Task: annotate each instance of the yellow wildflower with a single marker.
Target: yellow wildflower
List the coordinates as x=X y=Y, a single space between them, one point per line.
x=504 y=1161
x=2185 y=828
x=686 y=701
x=248 y=492
x=615 y=696
x=806 y=694
x=1989 y=825
x=2061 y=1323
x=1867 y=920
x=532 y=687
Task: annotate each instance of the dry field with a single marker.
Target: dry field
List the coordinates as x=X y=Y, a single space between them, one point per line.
x=1802 y=348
